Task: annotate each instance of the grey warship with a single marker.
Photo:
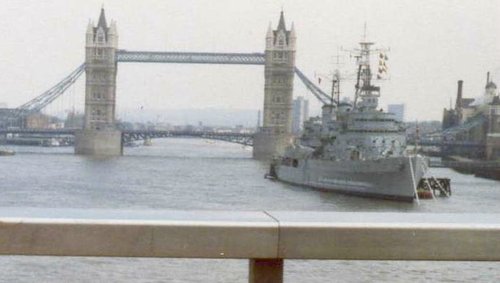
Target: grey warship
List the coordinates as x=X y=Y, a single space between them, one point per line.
x=354 y=147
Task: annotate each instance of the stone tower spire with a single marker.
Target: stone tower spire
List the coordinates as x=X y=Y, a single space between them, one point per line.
x=275 y=133
x=102 y=20
x=100 y=136
x=281 y=25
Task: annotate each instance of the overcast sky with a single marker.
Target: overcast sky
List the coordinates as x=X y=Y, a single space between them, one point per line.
x=432 y=43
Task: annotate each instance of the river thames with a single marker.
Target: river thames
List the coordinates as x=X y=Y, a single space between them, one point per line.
x=194 y=174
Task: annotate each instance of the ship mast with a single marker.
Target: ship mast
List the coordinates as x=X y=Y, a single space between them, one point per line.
x=365 y=91
x=336 y=87
x=335 y=79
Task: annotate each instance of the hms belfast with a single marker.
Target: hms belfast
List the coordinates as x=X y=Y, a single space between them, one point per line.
x=354 y=148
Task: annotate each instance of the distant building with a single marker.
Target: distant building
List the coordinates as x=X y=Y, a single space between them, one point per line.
x=398 y=110
x=475 y=120
x=37 y=121
x=300 y=114
x=74 y=120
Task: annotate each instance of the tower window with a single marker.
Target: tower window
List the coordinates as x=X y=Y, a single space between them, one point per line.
x=99 y=52
x=97 y=95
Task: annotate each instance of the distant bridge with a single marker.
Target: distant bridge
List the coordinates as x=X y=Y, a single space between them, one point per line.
x=240 y=138
x=136 y=135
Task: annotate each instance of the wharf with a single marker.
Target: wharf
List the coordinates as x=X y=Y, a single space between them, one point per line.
x=482 y=168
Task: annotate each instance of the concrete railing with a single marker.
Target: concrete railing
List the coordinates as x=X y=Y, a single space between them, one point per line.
x=266 y=238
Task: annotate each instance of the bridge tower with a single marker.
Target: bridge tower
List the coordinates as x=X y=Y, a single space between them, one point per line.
x=493 y=124
x=100 y=136
x=276 y=132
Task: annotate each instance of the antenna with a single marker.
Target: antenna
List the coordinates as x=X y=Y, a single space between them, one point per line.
x=336 y=76
x=364 y=33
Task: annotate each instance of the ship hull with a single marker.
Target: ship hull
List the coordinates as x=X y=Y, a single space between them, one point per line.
x=388 y=178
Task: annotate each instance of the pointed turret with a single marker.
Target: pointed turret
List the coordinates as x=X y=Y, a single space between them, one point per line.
x=292 y=31
x=89 y=38
x=269 y=33
x=112 y=28
x=102 y=20
x=113 y=34
x=281 y=25
x=269 y=37
x=90 y=27
x=293 y=36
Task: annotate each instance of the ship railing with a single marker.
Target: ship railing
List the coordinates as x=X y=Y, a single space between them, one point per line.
x=266 y=238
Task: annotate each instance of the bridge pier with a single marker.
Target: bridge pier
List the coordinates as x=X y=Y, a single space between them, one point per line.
x=266 y=145
x=104 y=143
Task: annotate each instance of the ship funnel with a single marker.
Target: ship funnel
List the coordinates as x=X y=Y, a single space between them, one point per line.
x=458 y=102
x=487 y=78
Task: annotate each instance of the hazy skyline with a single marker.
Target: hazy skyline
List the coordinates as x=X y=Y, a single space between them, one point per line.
x=433 y=44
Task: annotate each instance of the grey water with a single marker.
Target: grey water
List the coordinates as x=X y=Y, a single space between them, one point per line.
x=201 y=175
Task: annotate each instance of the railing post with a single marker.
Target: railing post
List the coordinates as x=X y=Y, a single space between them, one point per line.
x=266 y=270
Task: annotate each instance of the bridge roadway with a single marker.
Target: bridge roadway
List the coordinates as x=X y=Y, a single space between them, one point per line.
x=136 y=135
x=190 y=57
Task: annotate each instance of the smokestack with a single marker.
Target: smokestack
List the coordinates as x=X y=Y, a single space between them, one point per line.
x=458 y=103
x=487 y=78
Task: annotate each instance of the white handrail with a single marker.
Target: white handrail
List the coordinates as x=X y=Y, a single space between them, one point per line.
x=265 y=237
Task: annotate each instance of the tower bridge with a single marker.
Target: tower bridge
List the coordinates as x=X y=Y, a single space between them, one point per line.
x=100 y=135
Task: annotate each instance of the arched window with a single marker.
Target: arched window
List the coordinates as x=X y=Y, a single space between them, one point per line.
x=100 y=35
